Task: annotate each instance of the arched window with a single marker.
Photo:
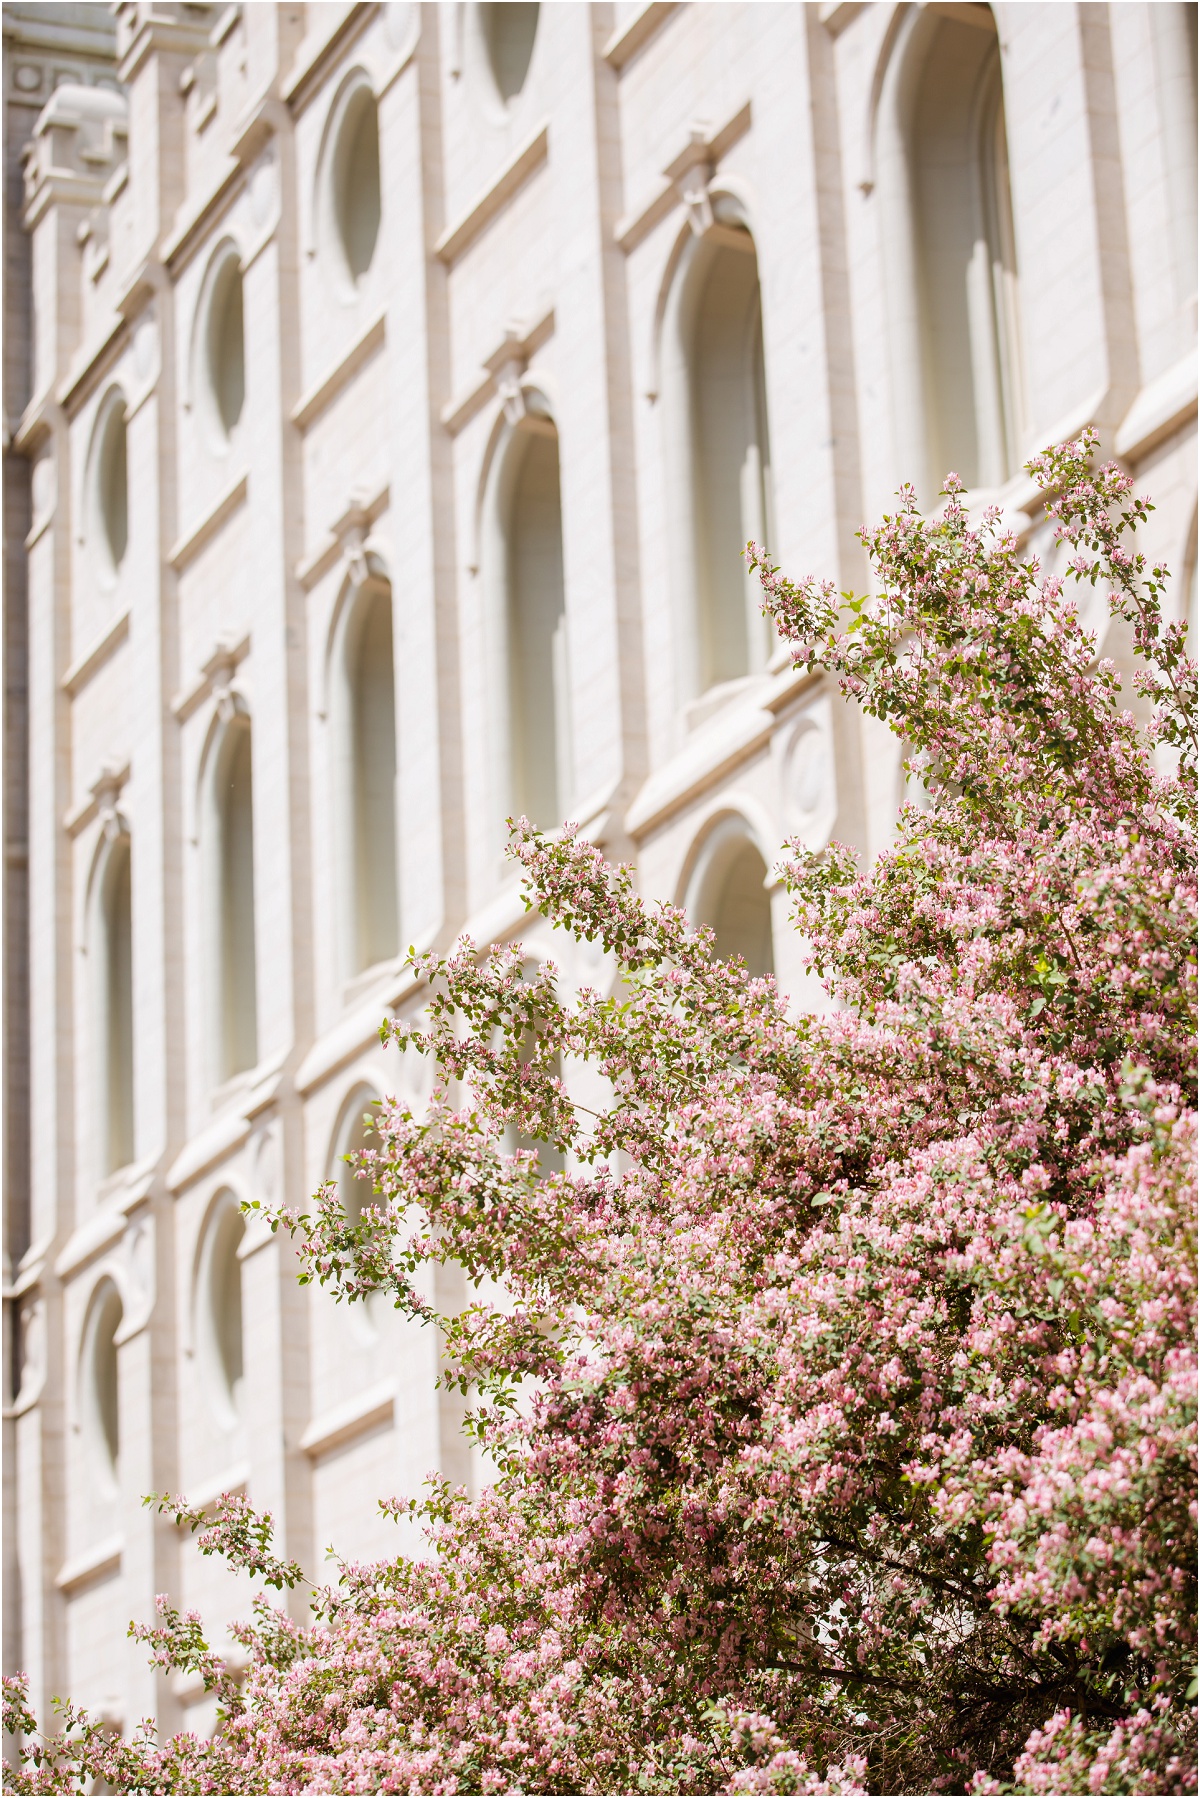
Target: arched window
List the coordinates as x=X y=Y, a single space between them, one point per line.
x=966 y=265
x=369 y=786
x=508 y=31
x=551 y=1159
x=728 y=892
x=353 y=1134
x=535 y=625
x=233 y=824
x=100 y=1388
x=355 y=181
x=224 y=346
x=717 y=396
x=910 y=786
x=114 y=1007
x=219 y=1308
x=110 y=488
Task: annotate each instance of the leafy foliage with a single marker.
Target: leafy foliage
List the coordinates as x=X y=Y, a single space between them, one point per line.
x=842 y=1393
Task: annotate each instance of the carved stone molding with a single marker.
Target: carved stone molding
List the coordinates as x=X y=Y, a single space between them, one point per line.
x=216 y=680
x=102 y=802
x=502 y=374
x=691 y=171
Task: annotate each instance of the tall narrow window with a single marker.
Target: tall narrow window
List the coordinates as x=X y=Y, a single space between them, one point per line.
x=237 y=1028
x=355 y=1134
x=372 y=724
x=356 y=182
x=219 y=1308
x=537 y=627
x=729 y=894
x=966 y=255
x=116 y=1007
x=100 y=1394
x=551 y=1159
x=720 y=322
x=509 y=30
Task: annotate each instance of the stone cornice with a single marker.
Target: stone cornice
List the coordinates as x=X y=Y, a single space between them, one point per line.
x=37 y=422
x=1161 y=408
x=62 y=187
x=42 y=34
x=327 y=387
x=312 y=59
x=721 y=744
x=96 y=654
x=193 y=540
x=156 y=34
x=263 y=118
x=685 y=180
x=499 y=371
x=373 y=1409
x=98 y=1562
x=527 y=160
x=631 y=37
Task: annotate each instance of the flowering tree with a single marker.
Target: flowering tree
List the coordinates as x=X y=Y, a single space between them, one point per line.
x=841 y=1395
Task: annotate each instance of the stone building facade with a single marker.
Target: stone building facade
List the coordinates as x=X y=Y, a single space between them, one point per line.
x=389 y=390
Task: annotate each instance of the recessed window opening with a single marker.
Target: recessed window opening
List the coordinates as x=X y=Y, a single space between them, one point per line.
x=1189 y=593
x=115 y=1007
x=225 y=346
x=966 y=256
x=101 y=1399
x=536 y=624
x=371 y=720
x=731 y=897
x=237 y=1026
x=508 y=32
x=727 y=451
x=910 y=785
x=356 y=1133
x=356 y=200
x=1174 y=35
x=551 y=1159
x=219 y=1309
x=111 y=488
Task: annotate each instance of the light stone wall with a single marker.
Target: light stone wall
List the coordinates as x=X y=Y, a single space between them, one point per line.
x=531 y=255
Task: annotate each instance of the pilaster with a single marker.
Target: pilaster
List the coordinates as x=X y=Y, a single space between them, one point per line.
x=155 y=43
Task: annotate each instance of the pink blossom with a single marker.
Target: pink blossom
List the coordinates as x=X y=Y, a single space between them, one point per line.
x=857 y=1444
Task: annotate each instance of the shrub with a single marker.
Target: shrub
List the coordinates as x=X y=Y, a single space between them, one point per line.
x=842 y=1393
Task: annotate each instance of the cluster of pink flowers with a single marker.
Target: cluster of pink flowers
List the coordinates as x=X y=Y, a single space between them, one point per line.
x=842 y=1394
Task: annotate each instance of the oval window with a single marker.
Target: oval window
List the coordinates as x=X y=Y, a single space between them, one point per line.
x=508 y=33
x=112 y=487
x=226 y=346
x=356 y=202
